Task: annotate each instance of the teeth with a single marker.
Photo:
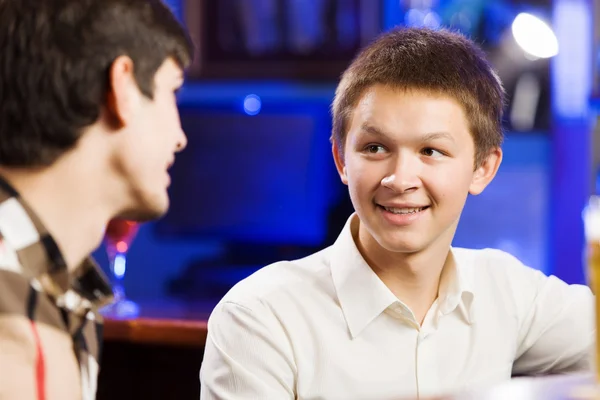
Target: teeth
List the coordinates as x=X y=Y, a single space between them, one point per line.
x=404 y=210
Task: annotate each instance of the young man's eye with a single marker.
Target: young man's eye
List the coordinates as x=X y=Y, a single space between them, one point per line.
x=430 y=152
x=374 y=149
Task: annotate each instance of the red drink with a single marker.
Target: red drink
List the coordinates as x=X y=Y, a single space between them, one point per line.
x=120 y=233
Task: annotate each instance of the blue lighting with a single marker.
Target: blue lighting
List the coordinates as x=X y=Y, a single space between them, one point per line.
x=252 y=104
x=571 y=141
x=422 y=18
x=119 y=266
x=432 y=20
x=573 y=71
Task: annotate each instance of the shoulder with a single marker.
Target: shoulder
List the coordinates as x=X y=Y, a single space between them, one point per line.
x=281 y=281
x=8 y=258
x=495 y=264
x=503 y=277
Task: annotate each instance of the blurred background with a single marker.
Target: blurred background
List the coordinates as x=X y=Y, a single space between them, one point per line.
x=257 y=183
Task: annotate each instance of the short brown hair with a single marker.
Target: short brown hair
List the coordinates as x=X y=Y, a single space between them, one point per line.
x=56 y=56
x=440 y=62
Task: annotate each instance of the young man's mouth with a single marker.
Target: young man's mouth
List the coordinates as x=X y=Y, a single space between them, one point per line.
x=404 y=210
x=402 y=214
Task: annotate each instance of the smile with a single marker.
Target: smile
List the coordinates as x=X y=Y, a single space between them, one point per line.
x=402 y=216
x=405 y=210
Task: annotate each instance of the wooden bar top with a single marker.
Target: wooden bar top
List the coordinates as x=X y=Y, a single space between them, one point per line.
x=164 y=322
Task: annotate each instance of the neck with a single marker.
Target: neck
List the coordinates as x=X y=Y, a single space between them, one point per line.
x=414 y=278
x=70 y=199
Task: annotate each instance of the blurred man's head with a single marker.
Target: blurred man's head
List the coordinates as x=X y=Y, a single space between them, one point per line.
x=105 y=71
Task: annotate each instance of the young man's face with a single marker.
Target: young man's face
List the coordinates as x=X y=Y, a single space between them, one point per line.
x=409 y=165
x=152 y=136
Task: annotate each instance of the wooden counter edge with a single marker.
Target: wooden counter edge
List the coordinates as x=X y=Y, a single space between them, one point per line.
x=156 y=331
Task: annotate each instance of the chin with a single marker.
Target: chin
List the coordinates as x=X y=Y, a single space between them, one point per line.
x=402 y=244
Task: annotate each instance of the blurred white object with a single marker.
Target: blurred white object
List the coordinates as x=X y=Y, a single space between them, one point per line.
x=591 y=219
x=534 y=36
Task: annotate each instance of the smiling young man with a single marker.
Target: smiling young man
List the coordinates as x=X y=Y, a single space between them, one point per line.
x=391 y=310
x=88 y=128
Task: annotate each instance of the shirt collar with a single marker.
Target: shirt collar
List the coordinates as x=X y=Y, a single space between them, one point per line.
x=456 y=285
x=40 y=258
x=363 y=296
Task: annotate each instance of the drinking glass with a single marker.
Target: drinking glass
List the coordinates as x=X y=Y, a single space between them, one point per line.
x=117 y=238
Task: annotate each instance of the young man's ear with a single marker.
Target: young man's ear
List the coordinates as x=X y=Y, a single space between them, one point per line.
x=486 y=172
x=123 y=96
x=338 y=157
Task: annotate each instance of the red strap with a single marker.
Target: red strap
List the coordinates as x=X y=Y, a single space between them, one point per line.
x=40 y=371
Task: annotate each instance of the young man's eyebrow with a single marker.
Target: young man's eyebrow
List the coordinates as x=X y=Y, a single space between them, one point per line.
x=437 y=135
x=375 y=131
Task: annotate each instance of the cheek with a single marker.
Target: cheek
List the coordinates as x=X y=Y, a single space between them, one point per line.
x=361 y=181
x=366 y=175
x=452 y=185
x=161 y=109
x=159 y=125
x=147 y=158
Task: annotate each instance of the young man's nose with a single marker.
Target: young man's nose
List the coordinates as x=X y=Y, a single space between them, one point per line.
x=403 y=176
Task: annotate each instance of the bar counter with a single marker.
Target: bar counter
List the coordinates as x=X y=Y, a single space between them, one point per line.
x=156 y=355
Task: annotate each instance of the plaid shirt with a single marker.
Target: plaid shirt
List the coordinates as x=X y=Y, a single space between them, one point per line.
x=50 y=331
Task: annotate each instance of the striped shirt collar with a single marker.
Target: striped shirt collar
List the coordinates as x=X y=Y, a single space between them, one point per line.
x=40 y=258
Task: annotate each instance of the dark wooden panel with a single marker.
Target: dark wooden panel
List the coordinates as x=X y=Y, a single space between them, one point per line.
x=131 y=371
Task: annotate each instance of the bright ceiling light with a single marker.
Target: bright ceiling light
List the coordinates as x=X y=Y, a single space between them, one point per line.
x=534 y=36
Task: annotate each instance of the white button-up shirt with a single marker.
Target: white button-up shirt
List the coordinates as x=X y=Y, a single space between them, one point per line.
x=326 y=327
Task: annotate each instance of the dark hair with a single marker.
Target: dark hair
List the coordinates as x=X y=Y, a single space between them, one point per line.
x=55 y=57
x=440 y=62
